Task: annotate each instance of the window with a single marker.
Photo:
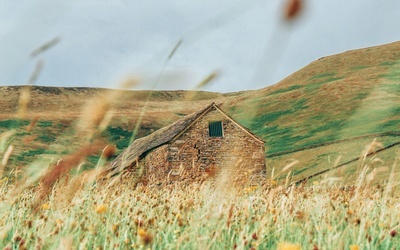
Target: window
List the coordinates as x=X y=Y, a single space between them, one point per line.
x=215 y=129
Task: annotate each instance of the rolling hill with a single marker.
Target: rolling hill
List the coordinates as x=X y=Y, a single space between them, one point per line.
x=355 y=94
x=315 y=119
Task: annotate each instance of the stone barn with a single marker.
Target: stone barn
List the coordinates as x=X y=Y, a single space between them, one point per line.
x=206 y=143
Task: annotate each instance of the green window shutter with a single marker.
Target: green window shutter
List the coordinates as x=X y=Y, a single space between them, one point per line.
x=215 y=129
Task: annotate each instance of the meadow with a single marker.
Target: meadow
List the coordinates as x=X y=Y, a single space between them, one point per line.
x=51 y=196
x=81 y=212
x=54 y=199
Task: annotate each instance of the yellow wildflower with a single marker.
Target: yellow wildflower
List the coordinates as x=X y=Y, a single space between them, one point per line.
x=45 y=206
x=354 y=247
x=288 y=246
x=141 y=232
x=101 y=209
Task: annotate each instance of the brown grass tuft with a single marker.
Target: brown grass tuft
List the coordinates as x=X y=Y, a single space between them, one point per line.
x=109 y=151
x=292 y=9
x=145 y=236
x=32 y=123
x=28 y=139
x=63 y=167
x=24 y=100
x=230 y=213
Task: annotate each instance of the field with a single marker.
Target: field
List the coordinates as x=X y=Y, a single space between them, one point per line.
x=331 y=133
x=80 y=213
x=331 y=108
x=58 y=201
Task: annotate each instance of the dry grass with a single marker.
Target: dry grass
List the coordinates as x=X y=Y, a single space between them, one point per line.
x=199 y=216
x=48 y=208
x=77 y=211
x=44 y=206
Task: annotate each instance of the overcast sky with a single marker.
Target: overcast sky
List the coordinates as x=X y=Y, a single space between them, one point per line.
x=102 y=42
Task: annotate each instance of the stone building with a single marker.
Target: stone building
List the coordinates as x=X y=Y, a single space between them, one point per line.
x=206 y=143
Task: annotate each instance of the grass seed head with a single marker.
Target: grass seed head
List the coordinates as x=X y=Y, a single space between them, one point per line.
x=292 y=9
x=45 y=206
x=129 y=82
x=24 y=100
x=6 y=156
x=109 y=151
x=145 y=236
x=32 y=124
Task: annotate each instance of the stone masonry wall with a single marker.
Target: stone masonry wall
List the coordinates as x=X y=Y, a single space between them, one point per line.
x=235 y=156
x=155 y=163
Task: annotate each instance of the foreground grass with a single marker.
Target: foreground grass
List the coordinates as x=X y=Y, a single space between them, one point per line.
x=81 y=214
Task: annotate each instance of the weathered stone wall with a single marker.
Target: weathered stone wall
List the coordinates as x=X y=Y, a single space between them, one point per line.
x=155 y=163
x=235 y=156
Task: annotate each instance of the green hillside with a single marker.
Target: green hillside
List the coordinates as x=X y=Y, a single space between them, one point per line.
x=320 y=116
x=353 y=94
x=52 y=125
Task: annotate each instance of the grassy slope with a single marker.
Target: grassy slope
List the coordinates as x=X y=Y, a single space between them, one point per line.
x=337 y=97
x=60 y=110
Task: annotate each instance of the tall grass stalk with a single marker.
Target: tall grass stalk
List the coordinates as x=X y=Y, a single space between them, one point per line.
x=194 y=215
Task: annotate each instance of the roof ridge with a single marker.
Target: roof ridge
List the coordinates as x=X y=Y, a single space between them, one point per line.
x=155 y=139
x=162 y=136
